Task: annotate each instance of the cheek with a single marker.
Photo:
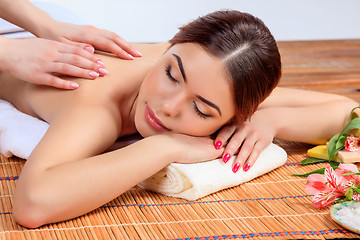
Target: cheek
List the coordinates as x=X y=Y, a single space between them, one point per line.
x=193 y=125
x=154 y=84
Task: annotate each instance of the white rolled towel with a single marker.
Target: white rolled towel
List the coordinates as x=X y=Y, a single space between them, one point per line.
x=193 y=181
x=19 y=132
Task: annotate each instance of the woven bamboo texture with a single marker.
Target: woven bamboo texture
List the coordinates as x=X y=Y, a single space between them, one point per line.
x=272 y=206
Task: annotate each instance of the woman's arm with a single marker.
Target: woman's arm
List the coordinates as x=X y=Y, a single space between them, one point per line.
x=67 y=175
x=304 y=116
x=289 y=97
x=288 y=114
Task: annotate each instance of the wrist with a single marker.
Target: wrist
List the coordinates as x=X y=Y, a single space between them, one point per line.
x=45 y=28
x=267 y=118
x=168 y=146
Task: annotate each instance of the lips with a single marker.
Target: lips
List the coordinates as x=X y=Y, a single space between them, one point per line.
x=153 y=121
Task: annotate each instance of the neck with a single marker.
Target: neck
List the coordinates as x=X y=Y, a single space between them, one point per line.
x=133 y=73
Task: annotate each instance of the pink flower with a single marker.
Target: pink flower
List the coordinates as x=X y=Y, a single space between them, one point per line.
x=326 y=188
x=352 y=144
x=348 y=180
x=333 y=184
x=356 y=197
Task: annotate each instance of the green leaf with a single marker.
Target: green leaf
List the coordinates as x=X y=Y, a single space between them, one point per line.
x=320 y=171
x=350 y=173
x=349 y=193
x=353 y=124
x=341 y=142
x=355 y=189
x=334 y=164
x=352 y=114
x=311 y=160
x=332 y=146
x=339 y=200
x=337 y=142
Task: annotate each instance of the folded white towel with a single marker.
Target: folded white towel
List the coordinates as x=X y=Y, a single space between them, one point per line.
x=193 y=181
x=19 y=132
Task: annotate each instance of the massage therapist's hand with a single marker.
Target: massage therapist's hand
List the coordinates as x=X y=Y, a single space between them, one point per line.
x=193 y=149
x=82 y=36
x=39 y=61
x=247 y=140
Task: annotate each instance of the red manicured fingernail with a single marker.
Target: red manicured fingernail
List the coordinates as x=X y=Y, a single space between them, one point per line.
x=236 y=167
x=226 y=158
x=218 y=144
x=246 y=167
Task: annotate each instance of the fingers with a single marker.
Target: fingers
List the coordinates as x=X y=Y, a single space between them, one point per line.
x=110 y=46
x=254 y=155
x=78 y=49
x=236 y=137
x=85 y=64
x=111 y=42
x=248 y=148
x=224 y=134
x=54 y=81
x=84 y=46
x=72 y=70
x=126 y=46
x=243 y=140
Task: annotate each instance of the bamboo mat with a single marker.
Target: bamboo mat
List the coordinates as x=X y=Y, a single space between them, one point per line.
x=273 y=206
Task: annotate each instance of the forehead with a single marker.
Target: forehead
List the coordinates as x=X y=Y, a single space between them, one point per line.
x=206 y=75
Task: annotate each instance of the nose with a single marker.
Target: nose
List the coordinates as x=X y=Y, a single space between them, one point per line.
x=173 y=105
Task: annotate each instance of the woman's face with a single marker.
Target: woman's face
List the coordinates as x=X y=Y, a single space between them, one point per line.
x=187 y=91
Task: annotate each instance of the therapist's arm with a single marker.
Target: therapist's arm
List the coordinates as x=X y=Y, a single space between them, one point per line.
x=24 y=14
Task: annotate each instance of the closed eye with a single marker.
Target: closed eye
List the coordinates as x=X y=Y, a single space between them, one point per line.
x=200 y=113
x=168 y=73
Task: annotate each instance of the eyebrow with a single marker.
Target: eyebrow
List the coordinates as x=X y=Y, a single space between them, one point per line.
x=209 y=103
x=181 y=67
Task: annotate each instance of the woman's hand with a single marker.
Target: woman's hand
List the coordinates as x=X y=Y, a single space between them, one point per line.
x=193 y=149
x=89 y=37
x=40 y=60
x=247 y=140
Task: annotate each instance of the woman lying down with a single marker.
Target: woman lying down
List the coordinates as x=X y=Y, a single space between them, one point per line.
x=217 y=76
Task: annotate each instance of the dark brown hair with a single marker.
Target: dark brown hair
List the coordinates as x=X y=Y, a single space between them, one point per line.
x=249 y=51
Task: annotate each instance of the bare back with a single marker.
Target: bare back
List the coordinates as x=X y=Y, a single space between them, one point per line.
x=117 y=89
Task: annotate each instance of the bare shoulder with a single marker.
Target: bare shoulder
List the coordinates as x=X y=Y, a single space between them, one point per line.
x=80 y=132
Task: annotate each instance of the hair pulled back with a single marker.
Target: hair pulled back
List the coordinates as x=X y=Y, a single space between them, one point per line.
x=248 y=49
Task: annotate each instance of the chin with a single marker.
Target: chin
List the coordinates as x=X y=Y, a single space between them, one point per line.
x=143 y=129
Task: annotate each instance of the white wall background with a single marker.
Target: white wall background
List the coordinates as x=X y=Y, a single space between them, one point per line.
x=158 y=20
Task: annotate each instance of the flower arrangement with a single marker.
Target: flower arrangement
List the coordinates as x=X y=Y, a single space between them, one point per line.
x=340 y=181
x=341 y=184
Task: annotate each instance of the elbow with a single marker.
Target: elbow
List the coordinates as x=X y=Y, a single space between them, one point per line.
x=29 y=211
